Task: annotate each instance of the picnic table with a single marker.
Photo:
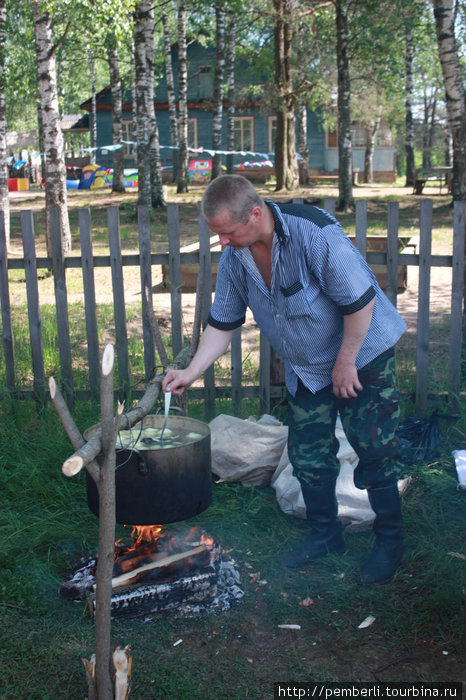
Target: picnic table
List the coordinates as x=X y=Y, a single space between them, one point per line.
x=441 y=175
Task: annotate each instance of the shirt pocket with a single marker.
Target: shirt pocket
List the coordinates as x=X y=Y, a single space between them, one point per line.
x=296 y=301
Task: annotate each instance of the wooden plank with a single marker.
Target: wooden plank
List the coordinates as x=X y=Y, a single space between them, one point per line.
x=113 y=217
x=205 y=269
x=361 y=226
x=145 y=269
x=61 y=305
x=422 y=343
x=32 y=295
x=90 y=307
x=236 y=370
x=175 y=277
x=330 y=205
x=457 y=294
x=7 y=332
x=392 y=251
x=264 y=375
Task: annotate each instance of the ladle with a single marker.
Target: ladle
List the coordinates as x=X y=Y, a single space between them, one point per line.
x=151 y=440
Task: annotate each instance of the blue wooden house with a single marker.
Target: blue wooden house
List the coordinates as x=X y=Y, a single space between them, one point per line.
x=254 y=125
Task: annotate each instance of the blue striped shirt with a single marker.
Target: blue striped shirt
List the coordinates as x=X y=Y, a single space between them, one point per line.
x=318 y=276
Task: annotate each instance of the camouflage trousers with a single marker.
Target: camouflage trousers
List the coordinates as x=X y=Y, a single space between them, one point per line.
x=369 y=421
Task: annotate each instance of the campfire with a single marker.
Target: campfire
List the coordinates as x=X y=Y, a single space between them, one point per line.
x=163 y=573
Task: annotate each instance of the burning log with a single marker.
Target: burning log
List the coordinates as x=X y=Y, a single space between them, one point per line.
x=165 y=566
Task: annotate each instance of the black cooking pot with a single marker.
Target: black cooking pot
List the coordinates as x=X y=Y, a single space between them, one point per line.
x=157 y=486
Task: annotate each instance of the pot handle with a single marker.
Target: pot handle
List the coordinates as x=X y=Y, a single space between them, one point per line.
x=142 y=467
x=178 y=409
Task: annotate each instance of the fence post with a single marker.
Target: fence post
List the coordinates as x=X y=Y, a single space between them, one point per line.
x=457 y=292
x=392 y=251
x=113 y=217
x=90 y=310
x=361 y=226
x=146 y=289
x=422 y=341
x=205 y=269
x=32 y=295
x=175 y=277
x=61 y=304
x=236 y=370
x=264 y=375
x=330 y=205
x=8 y=341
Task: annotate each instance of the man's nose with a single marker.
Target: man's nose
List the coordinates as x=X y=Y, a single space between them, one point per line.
x=224 y=240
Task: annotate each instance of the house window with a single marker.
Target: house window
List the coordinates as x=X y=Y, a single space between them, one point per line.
x=358 y=134
x=272 y=128
x=332 y=138
x=128 y=134
x=244 y=134
x=192 y=133
x=206 y=85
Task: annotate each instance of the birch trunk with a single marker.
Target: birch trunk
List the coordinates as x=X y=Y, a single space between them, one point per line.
x=217 y=117
x=454 y=91
x=55 y=171
x=93 y=120
x=118 y=184
x=369 y=152
x=172 y=116
x=142 y=12
x=302 y=144
x=286 y=164
x=409 y=120
x=182 y=182
x=345 y=150
x=230 y=78
x=156 y=187
x=4 y=198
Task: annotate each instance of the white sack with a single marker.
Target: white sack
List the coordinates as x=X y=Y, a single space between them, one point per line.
x=246 y=450
x=255 y=454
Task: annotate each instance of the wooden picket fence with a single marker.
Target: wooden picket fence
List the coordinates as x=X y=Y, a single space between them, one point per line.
x=266 y=391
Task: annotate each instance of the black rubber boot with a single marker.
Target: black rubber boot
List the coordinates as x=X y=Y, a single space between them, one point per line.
x=326 y=535
x=388 y=548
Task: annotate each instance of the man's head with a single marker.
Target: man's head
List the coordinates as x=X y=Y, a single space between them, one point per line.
x=232 y=194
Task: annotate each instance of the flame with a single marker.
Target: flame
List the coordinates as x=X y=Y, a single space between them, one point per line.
x=146 y=534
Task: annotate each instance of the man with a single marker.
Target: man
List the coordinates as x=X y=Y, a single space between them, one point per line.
x=319 y=304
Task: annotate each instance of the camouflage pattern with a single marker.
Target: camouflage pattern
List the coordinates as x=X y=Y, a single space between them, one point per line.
x=369 y=421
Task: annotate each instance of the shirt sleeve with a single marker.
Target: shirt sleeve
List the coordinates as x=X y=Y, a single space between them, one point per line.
x=228 y=310
x=343 y=274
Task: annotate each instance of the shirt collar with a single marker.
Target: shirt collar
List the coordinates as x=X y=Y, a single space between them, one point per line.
x=280 y=229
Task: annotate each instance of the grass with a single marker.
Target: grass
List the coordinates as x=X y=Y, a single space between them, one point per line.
x=46 y=527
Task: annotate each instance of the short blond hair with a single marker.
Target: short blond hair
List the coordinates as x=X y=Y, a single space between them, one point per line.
x=232 y=193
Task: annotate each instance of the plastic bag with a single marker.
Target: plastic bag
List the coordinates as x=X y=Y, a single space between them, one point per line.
x=420 y=438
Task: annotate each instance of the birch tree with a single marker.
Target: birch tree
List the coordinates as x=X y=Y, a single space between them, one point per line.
x=345 y=150
x=172 y=115
x=118 y=183
x=55 y=170
x=230 y=81
x=156 y=187
x=182 y=182
x=454 y=91
x=142 y=19
x=217 y=117
x=286 y=163
x=4 y=198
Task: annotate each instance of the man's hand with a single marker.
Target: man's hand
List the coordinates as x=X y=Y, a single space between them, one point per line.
x=176 y=381
x=345 y=379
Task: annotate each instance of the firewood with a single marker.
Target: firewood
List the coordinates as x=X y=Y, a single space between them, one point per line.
x=129 y=576
x=122 y=662
x=89 y=665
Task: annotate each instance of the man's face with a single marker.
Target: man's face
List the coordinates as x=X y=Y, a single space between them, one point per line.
x=235 y=234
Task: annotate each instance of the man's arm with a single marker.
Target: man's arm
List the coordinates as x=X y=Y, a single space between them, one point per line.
x=345 y=379
x=212 y=345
